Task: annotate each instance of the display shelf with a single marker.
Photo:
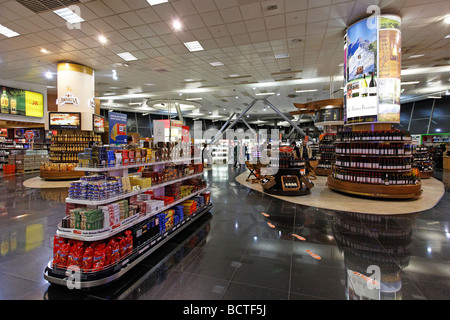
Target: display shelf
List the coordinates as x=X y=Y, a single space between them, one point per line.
x=375 y=191
x=375 y=168
x=101 y=234
x=326 y=155
x=422 y=161
x=60 y=276
x=115 y=168
x=129 y=194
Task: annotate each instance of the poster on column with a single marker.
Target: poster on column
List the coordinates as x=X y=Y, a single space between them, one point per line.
x=389 y=49
x=117 y=128
x=361 y=50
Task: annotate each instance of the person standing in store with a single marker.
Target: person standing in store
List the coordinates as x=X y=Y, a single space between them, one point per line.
x=296 y=149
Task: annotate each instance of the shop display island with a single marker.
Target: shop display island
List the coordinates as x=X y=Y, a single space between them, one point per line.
x=376 y=164
x=423 y=162
x=102 y=238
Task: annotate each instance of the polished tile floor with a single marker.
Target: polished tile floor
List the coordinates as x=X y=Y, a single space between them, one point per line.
x=238 y=253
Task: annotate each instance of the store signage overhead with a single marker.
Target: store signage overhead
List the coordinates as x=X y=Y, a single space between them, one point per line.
x=21 y=102
x=372 y=64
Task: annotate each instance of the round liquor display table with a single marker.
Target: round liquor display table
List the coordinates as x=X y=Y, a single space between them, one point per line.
x=281 y=186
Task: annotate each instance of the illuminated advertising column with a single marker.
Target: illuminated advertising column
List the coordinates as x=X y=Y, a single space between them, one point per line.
x=372 y=64
x=76 y=92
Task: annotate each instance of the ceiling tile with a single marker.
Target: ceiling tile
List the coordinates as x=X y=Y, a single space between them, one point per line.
x=204 y=5
x=160 y=28
x=184 y=7
x=132 y=18
x=130 y=34
x=100 y=8
x=193 y=22
x=144 y=31
x=232 y=14
x=117 y=6
x=116 y=22
x=148 y=15
x=236 y=28
x=212 y=18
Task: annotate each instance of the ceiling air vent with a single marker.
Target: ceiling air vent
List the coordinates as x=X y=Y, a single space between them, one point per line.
x=43 y=5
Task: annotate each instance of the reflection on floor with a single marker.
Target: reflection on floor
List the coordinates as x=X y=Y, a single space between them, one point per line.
x=252 y=246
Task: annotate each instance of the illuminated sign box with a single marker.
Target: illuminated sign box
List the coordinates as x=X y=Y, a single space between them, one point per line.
x=21 y=102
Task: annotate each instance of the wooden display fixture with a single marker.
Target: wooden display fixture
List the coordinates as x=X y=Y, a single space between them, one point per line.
x=376 y=191
x=426 y=174
x=323 y=172
x=60 y=175
x=290 y=183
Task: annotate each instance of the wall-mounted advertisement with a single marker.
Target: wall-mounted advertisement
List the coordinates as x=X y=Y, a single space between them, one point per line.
x=372 y=67
x=117 y=128
x=21 y=102
x=98 y=123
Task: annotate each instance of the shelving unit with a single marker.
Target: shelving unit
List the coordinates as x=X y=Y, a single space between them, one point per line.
x=422 y=161
x=94 y=278
x=379 y=168
x=326 y=155
x=220 y=152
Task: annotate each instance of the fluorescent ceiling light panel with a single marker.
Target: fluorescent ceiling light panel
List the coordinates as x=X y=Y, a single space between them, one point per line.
x=233 y=75
x=8 y=32
x=434 y=97
x=282 y=56
x=193 y=46
x=68 y=15
x=127 y=56
x=155 y=2
x=416 y=56
x=447 y=36
x=216 y=64
x=307 y=90
x=408 y=83
x=264 y=93
x=193 y=99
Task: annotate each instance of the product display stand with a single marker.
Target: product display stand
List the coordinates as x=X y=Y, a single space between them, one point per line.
x=422 y=161
x=326 y=156
x=146 y=230
x=375 y=163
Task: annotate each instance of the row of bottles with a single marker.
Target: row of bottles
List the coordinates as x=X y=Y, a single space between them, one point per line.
x=370 y=89
x=63 y=157
x=330 y=148
x=388 y=135
x=390 y=149
x=287 y=160
x=374 y=163
x=67 y=148
x=75 y=138
x=378 y=178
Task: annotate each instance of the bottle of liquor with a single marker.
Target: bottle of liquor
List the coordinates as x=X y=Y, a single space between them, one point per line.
x=364 y=87
x=4 y=102
x=13 y=107
x=372 y=86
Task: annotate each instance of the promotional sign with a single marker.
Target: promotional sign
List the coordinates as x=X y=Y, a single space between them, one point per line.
x=98 y=123
x=185 y=134
x=159 y=131
x=64 y=120
x=372 y=65
x=21 y=102
x=117 y=128
x=329 y=114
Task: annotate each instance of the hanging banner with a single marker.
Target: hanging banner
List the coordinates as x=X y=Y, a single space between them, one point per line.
x=372 y=65
x=117 y=128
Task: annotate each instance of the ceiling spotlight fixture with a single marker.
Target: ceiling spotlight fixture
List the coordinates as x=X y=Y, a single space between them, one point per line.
x=102 y=39
x=193 y=99
x=193 y=46
x=264 y=93
x=177 y=25
x=43 y=50
x=408 y=83
x=415 y=56
x=447 y=18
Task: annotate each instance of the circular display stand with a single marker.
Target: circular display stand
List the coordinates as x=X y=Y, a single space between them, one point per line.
x=375 y=191
x=61 y=175
x=323 y=172
x=426 y=175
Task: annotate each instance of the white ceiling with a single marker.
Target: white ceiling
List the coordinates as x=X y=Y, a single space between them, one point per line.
x=242 y=34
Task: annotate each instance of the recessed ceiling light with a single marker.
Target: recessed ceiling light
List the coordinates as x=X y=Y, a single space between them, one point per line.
x=48 y=75
x=155 y=2
x=193 y=46
x=102 y=39
x=447 y=36
x=447 y=18
x=8 y=32
x=416 y=56
x=176 y=25
x=216 y=64
x=282 y=56
x=307 y=90
x=127 y=56
x=193 y=99
x=43 y=50
x=233 y=75
x=68 y=15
